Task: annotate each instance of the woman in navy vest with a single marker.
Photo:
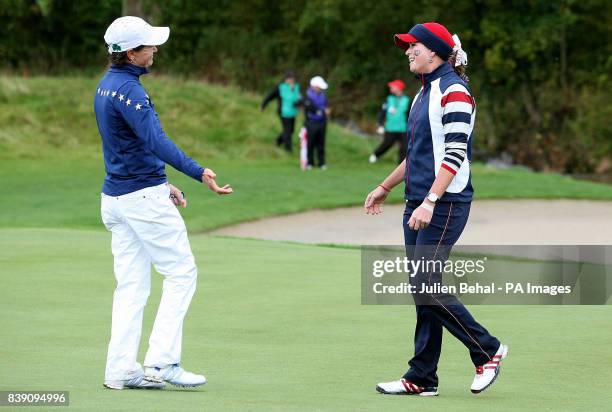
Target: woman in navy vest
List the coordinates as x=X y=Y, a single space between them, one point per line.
x=438 y=194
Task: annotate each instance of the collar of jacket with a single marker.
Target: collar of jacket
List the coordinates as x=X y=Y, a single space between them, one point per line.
x=314 y=95
x=440 y=71
x=129 y=68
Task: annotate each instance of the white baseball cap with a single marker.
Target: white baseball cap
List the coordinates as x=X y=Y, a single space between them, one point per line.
x=128 y=32
x=318 y=81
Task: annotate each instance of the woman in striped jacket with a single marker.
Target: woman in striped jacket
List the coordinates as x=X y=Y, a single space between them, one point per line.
x=438 y=193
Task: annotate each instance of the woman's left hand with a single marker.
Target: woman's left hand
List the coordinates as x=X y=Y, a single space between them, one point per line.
x=177 y=197
x=374 y=201
x=420 y=218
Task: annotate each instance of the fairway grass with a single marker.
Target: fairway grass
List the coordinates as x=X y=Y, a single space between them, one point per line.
x=64 y=191
x=276 y=327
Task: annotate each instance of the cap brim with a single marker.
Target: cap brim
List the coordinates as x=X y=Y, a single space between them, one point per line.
x=157 y=36
x=322 y=86
x=403 y=40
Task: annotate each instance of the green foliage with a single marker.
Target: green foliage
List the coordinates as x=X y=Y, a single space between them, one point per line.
x=543 y=79
x=539 y=69
x=52 y=35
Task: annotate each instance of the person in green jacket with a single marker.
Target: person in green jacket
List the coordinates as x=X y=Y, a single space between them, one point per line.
x=288 y=95
x=392 y=121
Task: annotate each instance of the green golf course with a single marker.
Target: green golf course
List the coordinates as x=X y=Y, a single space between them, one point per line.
x=274 y=326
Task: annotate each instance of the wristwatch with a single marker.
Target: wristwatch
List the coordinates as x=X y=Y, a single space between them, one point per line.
x=432 y=197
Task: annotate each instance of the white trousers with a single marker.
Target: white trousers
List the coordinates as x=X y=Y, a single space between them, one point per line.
x=147 y=229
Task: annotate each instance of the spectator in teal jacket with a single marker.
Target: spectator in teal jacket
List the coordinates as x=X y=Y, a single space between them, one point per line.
x=392 y=120
x=288 y=95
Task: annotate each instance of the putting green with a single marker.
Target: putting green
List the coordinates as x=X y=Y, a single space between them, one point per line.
x=275 y=327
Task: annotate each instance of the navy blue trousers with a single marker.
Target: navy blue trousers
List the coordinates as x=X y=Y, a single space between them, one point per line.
x=437 y=310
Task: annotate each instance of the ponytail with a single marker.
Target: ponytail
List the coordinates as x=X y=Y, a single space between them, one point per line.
x=459 y=60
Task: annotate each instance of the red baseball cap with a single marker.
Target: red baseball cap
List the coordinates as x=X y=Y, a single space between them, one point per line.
x=433 y=35
x=397 y=84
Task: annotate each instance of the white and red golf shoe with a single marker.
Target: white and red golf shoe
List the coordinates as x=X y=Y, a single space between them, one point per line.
x=405 y=387
x=487 y=373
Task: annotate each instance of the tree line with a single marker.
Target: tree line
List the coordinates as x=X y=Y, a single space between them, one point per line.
x=539 y=69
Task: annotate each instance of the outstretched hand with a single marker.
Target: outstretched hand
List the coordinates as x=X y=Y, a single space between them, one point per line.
x=374 y=201
x=208 y=178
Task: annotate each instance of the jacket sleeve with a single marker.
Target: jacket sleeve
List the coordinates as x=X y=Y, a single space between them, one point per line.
x=274 y=94
x=133 y=104
x=309 y=106
x=458 y=108
x=405 y=105
x=382 y=115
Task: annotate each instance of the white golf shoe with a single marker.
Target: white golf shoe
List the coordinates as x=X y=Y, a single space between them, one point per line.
x=139 y=381
x=487 y=373
x=175 y=375
x=373 y=158
x=405 y=387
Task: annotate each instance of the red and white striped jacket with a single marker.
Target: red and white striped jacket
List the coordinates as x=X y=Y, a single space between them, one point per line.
x=440 y=127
